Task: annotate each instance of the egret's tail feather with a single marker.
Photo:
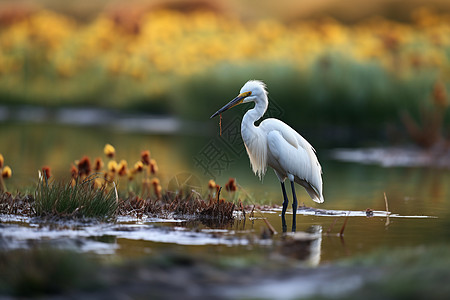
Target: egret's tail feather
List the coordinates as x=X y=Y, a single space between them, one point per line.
x=315 y=196
x=318 y=199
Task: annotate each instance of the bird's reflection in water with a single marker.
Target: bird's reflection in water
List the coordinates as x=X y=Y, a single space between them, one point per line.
x=304 y=246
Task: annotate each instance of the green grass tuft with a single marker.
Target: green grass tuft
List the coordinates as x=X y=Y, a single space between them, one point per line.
x=81 y=199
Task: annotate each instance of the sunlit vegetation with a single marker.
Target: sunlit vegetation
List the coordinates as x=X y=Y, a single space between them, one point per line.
x=104 y=191
x=162 y=58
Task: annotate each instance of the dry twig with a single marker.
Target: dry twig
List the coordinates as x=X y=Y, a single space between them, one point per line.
x=387 y=210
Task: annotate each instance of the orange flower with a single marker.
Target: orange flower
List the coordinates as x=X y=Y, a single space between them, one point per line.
x=46 y=171
x=211 y=184
x=84 y=166
x=109 y=151
x=2 y=160
x=122 y=168
x=73 y=171
x=98 y=164
x=231 y=185
x=153 y=166
x=145 y=157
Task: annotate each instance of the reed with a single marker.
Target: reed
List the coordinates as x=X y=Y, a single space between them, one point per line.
x=75 y=199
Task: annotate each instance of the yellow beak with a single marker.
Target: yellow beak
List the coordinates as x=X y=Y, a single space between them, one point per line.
x=236 y=101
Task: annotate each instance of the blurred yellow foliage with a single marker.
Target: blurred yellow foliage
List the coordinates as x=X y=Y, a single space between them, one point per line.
x=169 y=43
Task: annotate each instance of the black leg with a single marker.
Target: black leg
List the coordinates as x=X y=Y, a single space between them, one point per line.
x=285 y=204
x=294 y=208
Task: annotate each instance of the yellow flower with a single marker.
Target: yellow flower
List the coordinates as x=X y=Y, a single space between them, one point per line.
x=2 y=160
x=7 y=172
x=211 y=184
x=109 y=150
x=138 y=166
x=112 y=166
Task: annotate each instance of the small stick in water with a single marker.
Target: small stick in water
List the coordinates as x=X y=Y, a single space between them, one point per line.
x=272 y=230
x=341 y=233
x=331 y=226
x=387 y=210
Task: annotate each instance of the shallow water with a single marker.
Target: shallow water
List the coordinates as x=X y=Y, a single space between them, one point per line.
x=418 y=198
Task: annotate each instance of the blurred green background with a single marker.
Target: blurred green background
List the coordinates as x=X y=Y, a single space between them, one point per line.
x=326 y=63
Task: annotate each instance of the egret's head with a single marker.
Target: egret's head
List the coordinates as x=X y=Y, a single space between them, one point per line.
x=253 y=90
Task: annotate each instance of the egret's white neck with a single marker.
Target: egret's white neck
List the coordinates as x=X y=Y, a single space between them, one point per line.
x=256 y=113
x=254 y=139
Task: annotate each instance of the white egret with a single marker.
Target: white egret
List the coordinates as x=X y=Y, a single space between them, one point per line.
x=276 y=144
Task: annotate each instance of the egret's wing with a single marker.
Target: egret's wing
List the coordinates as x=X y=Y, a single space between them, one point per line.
x=296 y=158
x=315 y=173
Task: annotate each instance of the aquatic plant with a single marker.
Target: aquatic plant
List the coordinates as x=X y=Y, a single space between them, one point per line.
x=114 y=171
x=81 y=199
x=93 y=192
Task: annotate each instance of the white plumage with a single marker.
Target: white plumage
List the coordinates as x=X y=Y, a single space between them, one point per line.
x=273 y=143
